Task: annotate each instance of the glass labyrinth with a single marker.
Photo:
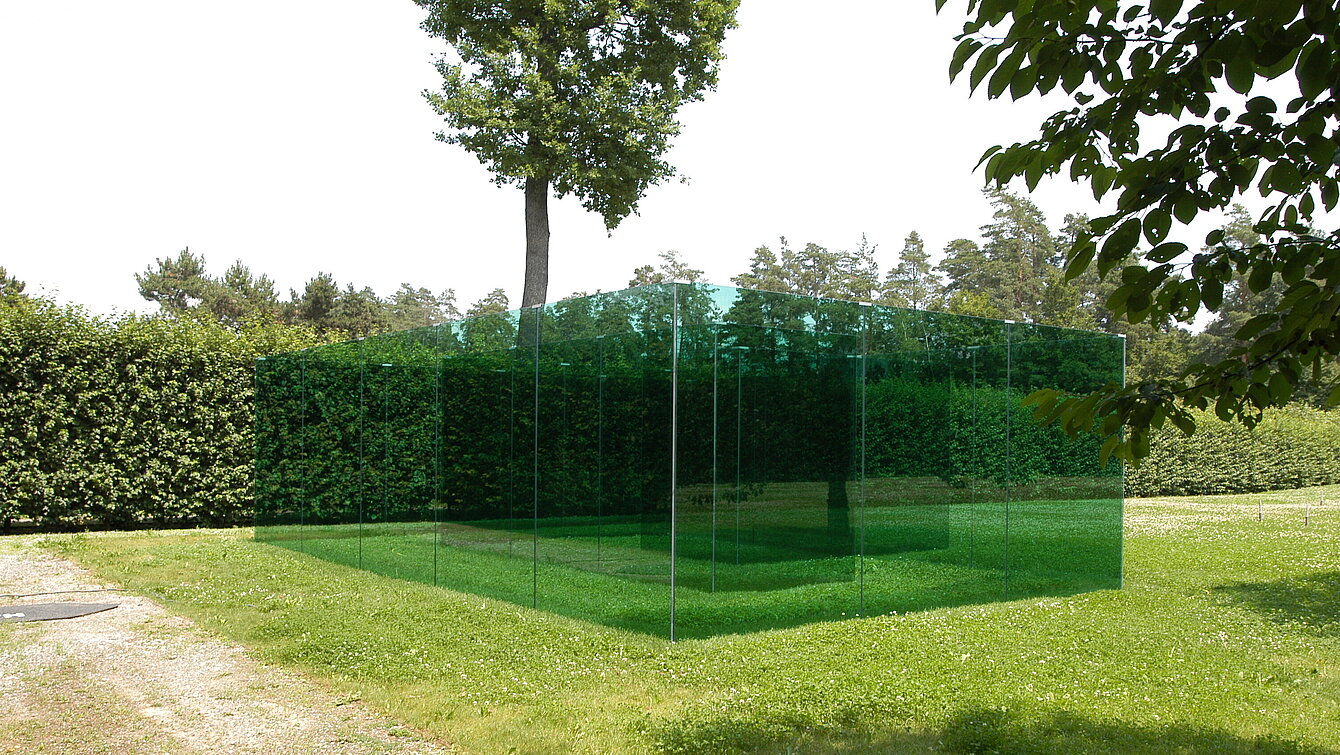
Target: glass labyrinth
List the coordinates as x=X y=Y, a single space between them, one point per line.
x=688 y=460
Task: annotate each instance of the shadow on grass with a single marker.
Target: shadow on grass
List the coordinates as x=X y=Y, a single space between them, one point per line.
x=994 y=731
x=979 y=732
x=1312 y=600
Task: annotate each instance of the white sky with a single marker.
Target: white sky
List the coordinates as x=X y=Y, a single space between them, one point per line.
x=291 y=134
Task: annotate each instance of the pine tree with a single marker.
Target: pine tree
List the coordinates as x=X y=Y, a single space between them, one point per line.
x=671 y=269
x=913 y=282
x=10 y=287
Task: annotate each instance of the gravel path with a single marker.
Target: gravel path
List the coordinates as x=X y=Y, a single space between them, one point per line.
x=137 y=679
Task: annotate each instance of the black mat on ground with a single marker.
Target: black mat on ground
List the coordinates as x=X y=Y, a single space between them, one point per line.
x=51 y=611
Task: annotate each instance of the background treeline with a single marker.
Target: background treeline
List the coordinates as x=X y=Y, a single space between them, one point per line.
x=1011 y=270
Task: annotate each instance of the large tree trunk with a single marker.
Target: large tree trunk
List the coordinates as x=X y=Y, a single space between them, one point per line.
x=537 y=242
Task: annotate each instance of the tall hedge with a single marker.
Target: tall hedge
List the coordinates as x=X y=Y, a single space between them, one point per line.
x=1293 y=447
x=135 y=420
x=128 y=420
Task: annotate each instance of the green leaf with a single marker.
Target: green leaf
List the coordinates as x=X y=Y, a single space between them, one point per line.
x=1185 y=209
x=1119 y=244
x=1139 y=444
x=1000 y=80
x=1330 y=194
x=1260 y=105
x=1183 y=422
x=1165 y=10
x=1157 y=224
x=1105 y=453
x=1166 y=252
x=964 y=51
x=1281 y=388
x=1334 y=398
x=1314 y=70
x=1295 y=267
x=1041 y=396
x=987 y=154
x=1240 y=70
x=1023 y=81
x=1284 y=177
x=1254 y=326
x=1259 y=278
x=1212 y=293
x=985 y=62
x=1080 y=259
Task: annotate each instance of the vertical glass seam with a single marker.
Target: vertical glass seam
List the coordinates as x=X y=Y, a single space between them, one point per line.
x=1121 y=511
x=716 y=333
x=302 y=454
x=865 y=331
x=674 y=443
x=600 y=442
x=535 y=469
x=1009 y=448
x=362 y=462
x=437 y=445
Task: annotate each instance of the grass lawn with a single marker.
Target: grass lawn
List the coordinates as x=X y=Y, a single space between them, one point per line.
x=1226 y=638
x=782 y=569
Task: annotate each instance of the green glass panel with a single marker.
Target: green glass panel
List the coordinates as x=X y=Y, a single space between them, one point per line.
x=688 y=460
x=331 y=448
x=399 y=442
x=278 y=496
x=768 y=499
x=486 y=520
x=932 y=501
x=603 y=487
x=1065 y=518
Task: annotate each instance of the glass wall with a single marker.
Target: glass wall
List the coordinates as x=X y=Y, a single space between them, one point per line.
x=688 y=460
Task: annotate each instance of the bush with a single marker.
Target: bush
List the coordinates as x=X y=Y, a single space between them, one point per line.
x=1293 y=447
x=125 y=421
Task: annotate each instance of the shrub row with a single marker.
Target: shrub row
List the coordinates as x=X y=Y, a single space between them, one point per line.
x=126 y=421
x=1294 y=447
x=133 y=420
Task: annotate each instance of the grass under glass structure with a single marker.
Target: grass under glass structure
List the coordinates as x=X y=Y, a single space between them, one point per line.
x=689 y=460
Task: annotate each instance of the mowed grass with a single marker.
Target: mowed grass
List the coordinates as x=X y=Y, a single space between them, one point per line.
x=1226 y=638
x=778 y=568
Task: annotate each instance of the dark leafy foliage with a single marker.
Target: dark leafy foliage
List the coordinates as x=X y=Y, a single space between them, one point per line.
x=1130 y=65
x=1293 y=447
x=127 y=421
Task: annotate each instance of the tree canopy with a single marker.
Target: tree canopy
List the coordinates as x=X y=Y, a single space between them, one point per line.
x=1199 y=68
x=10 y=286
x=672 y=269
x=913 y=282
x=183 y=288
x=814 y=270
x=577 y=96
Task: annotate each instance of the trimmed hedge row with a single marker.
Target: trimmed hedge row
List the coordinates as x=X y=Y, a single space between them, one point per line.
x=1294 y=447
x=129 y=420
x=145 y=420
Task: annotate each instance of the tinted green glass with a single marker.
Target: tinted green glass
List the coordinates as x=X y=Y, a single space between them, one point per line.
x=691 y=460
x=1065 y=518
x=331 y=445
x=605 y=396
x=768 y=495
x=279 y=476
x=486 y=519
x=399 y=440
